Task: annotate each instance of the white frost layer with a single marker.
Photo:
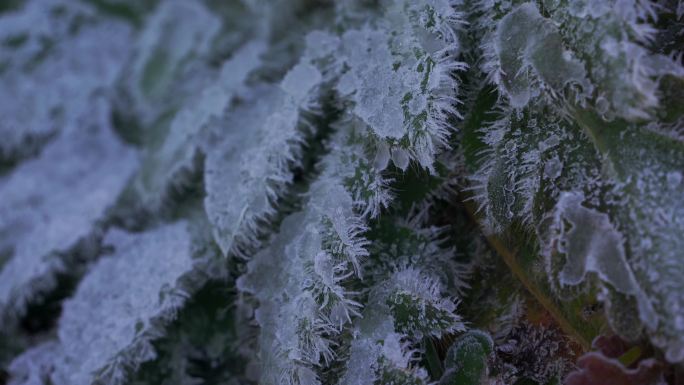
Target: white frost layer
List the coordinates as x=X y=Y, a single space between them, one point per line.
x=177 y=34
x=122 y=303
x=400 y=79
x=163 y=167
x=52 y=73
x=51 y=202
x=250 y=155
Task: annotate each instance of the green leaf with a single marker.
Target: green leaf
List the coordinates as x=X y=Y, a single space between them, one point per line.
x=466 y=360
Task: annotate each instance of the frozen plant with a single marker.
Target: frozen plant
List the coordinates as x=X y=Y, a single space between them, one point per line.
x=310 y=192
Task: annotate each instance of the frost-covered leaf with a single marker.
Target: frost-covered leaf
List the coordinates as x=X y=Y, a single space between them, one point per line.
x=418 y=306
x=121 y=305
x=592 y=244
x=39 y=41
x=381 y=350
x=51 y=203
x=251 y=153
x=299 y=280
x=565 y=131
x=379 y=356
x=527 y=44
x=598 y=48
x=400 y=243
x=612 y=39
x=400 y=79
x=405 y=304
x=519 y=164
x=646 y=171
x=166 y=167
x=539 y=164
x=178 y=35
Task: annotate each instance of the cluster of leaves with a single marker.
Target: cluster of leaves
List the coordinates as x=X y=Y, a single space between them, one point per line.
x=356 y=192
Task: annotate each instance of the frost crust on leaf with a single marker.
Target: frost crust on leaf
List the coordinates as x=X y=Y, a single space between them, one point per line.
x=177 y=33
x=261 y=141
x=400 y=79
x=592 y=244
x=121 y=305
x=299 y=280
x=86 y=51
x=52 y=202
x=528 y=47
x=165 y=167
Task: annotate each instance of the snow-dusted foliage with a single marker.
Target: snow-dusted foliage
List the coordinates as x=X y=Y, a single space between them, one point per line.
x=167 y=165
x=572 y=150
x=597 y=49
x=262 y=138
x=61 y=197
x=341 y=192
x=300 y=280
x=304 y=281
x=163 y=72
x=121 y=304
x=45 y=39
x=399 y=76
